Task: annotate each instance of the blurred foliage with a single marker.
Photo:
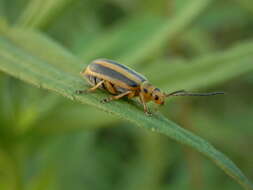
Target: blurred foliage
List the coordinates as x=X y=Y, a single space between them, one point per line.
x=48 y=142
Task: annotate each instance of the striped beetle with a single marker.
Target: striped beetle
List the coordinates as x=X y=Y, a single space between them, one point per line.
x=122 y=81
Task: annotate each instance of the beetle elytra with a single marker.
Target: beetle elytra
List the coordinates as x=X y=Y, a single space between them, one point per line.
x=121 y=81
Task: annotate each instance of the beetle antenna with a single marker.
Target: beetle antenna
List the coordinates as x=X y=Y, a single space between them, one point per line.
x=185 y=93
x=175 y=93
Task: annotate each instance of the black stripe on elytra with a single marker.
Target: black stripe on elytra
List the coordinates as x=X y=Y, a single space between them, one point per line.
x=113 y=74
x=126 y=68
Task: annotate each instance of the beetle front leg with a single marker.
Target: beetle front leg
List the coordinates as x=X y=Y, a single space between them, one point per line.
x=115 y=97
x=144 y=105
x=90 y=89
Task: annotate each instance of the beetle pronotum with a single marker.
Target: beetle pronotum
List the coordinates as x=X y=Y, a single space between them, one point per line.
x=123 y=81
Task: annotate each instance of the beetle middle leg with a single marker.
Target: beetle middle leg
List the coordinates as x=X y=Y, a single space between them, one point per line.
x=116 y=97
x=90 y=89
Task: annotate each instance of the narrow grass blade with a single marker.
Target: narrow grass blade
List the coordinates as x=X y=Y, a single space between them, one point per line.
x=39 y=13
x=204 y=71
x=137 y=39
x=178 y=23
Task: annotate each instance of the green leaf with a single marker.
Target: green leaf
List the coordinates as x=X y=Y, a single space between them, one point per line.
x=10 y=178
x=203 y=71
x=2 y=9
x=154 y=34
x=123 y=39
x=39 y=13
x=32 y=66
x=197 y=42
x=247 y=4
x=178 y=23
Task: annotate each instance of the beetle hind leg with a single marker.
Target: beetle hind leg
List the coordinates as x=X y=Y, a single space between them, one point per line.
x=90 y=89
x=115 y=97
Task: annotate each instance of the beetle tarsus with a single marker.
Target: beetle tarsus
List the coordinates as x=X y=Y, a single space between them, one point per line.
x=148 y=113
x=81 y=91
x=105 y=100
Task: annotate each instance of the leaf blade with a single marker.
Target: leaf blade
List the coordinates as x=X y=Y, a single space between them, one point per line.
x=27 y=66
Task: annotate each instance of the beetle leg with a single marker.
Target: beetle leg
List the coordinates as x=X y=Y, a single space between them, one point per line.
x=116 y=97
x=144 y=105
x=90 y=89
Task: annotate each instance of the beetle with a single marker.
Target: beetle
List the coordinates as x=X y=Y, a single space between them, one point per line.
x=122 y=81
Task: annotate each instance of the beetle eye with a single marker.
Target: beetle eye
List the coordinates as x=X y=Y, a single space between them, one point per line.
x=145 y=90
x=156 y=97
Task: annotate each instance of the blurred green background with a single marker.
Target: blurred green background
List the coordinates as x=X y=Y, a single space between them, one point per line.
x=48 y=142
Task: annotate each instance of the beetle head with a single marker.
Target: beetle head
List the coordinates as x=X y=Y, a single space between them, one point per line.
x=151 y=93
x=158 y=97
